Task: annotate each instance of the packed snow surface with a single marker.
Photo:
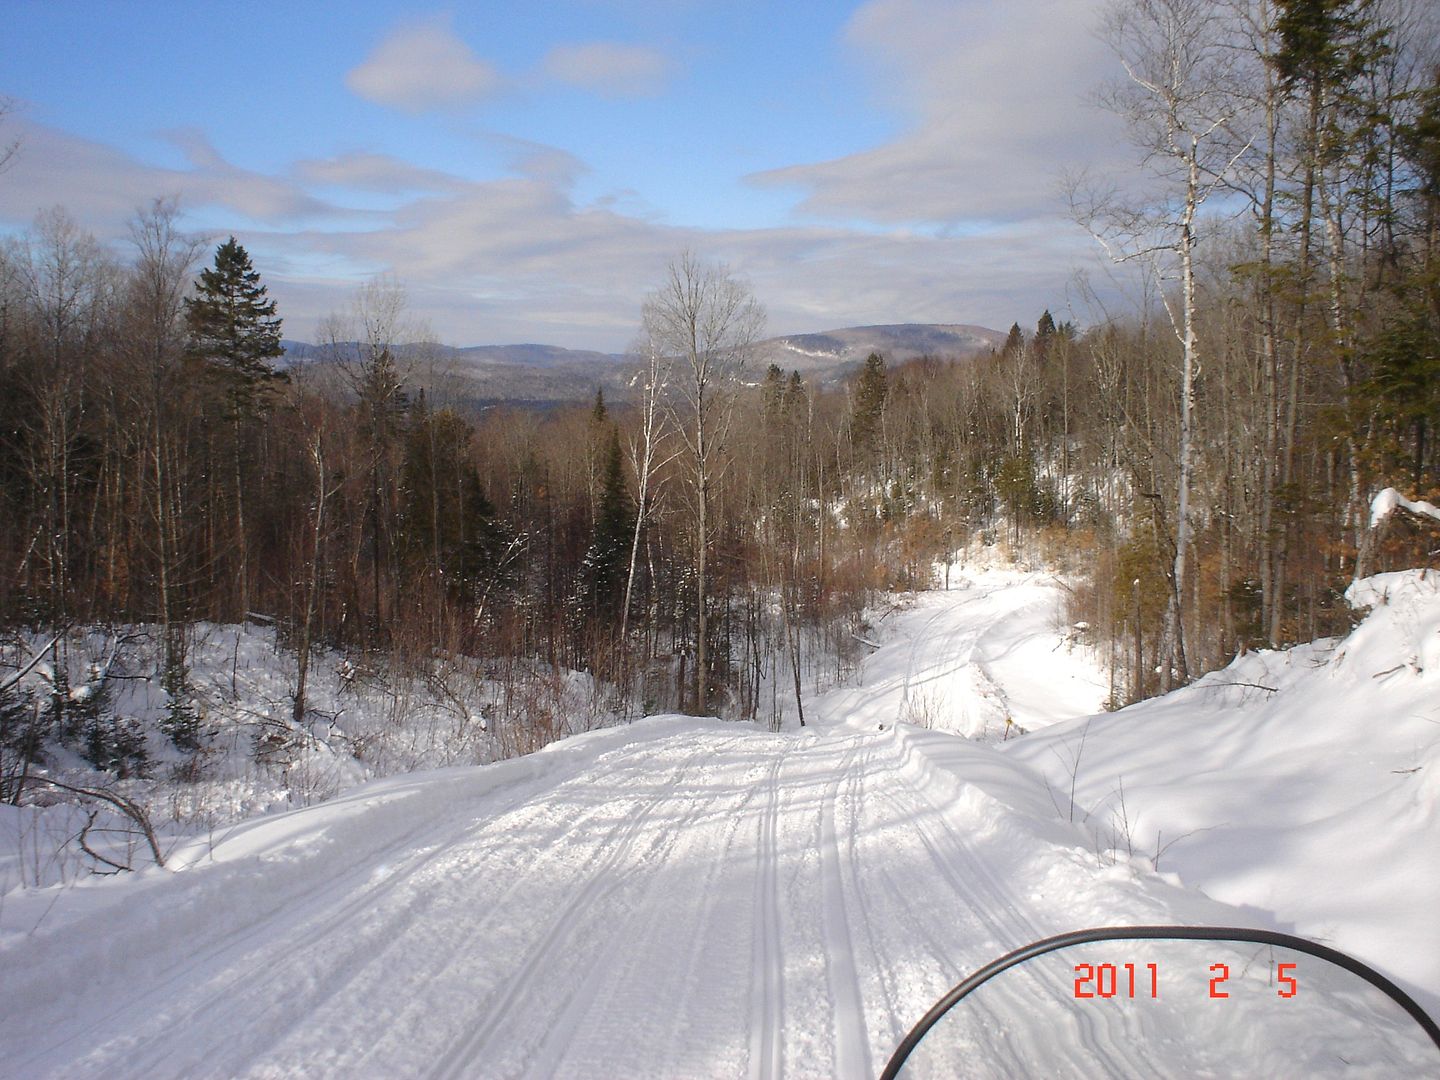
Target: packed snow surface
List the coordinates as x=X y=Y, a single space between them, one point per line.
x=689 y=898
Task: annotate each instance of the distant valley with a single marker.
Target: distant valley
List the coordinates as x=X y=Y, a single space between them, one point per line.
x=544 y=376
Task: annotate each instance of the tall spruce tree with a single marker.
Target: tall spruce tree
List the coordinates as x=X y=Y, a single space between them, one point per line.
x=1044 y=334
x=234 y=329
x=870 y=392
x=1014 y=341
x=606 y=559
x=235 y=333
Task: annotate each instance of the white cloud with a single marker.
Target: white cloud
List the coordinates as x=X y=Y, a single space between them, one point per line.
x=538 y=161
x=610 y=69
x=995 y=97
x=520 y=259
x=373 y=172
x=423 y=66
x=102 y=186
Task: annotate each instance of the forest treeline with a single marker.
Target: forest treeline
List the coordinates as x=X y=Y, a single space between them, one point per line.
x=709 y=543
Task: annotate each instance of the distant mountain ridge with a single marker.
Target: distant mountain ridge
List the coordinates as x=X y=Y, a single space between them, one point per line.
x=514 y=355
x=829 y=352
x=550 y=375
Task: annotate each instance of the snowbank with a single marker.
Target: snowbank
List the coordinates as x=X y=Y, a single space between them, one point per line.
x=1305 y=782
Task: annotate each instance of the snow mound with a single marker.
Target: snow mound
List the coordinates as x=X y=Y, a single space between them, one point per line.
x=1404 y=621
x=1305 y=782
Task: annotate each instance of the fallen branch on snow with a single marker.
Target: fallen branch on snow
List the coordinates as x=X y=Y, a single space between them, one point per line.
x=127 y=807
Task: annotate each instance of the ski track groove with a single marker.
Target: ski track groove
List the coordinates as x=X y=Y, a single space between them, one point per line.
x=701 y=925
x=981 y=899
x=919 y=928
x=961 y=643
x=883 y=972
x=851 y=1044
x=921 y=635
x=922 y=922
x=477 y=934
x=767 y=983
x=509 y=994
x=243 y=974
x=360 y=951
x=497 y=903
x=1099 y=1030
x=592 y=914
x=247 y=982
x=560 y=1035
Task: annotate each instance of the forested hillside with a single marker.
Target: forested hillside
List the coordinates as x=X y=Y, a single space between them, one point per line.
x=709 y=544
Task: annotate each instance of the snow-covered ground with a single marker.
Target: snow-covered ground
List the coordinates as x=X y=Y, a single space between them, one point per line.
x=1304 y=783
x=989 y=658
x=688 y=898
x=368 y=718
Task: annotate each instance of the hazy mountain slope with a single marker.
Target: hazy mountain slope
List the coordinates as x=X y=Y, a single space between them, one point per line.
x=550 y=375
x=829 y=352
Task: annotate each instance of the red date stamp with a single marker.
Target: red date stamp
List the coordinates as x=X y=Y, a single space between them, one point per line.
x=1134 y=981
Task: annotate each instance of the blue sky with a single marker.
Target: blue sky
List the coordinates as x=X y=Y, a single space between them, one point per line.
x=526 y=172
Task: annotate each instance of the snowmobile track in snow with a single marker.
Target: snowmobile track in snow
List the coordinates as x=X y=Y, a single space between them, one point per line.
x=677 y=898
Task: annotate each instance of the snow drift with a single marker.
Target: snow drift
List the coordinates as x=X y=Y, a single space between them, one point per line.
x=1303 y=782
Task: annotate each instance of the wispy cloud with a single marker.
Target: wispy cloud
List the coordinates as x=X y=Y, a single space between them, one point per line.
x=522 y=257
x=103 y=186
x=610 y=69
x=373 y=172
x=548 y=164
x=990 y=118
x=424 y=66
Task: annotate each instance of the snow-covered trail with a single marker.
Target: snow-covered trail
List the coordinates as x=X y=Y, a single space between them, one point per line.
x=990 y=652
x=679 y=898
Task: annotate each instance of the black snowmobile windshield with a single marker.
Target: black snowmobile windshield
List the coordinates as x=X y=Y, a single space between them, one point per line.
x=1160 y=1001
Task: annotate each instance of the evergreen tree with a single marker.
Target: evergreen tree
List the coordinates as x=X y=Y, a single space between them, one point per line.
x=773 y=392
x=1014 y=341
x=606 y=560
x=487 y=566
x=1044 y=334
x=1320 y=41
x=1404 y=391
x=448 y=524
x=234 y=329
x=435 y=453
x=235 y=333
x=599 y=425
x=870 y=392
x=795 y=396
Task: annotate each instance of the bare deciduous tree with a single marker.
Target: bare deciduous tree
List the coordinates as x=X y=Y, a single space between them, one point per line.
x=647 y=457
x=1178 y=101
x=706 y=320
x=10 y=149
x=374 y=347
